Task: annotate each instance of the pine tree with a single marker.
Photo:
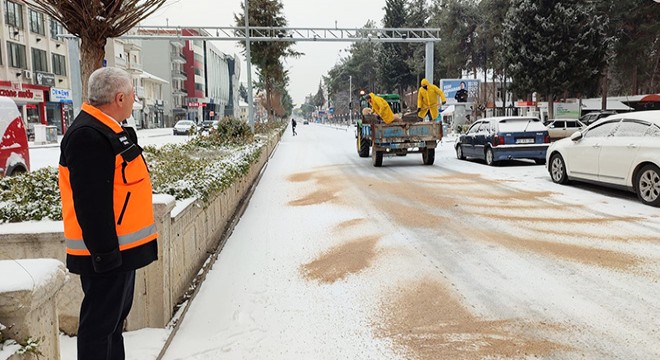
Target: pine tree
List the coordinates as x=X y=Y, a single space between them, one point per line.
x=417 y=14
x=552 y=47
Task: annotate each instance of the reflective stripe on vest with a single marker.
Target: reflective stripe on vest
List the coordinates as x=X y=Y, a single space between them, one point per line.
x=128 y=241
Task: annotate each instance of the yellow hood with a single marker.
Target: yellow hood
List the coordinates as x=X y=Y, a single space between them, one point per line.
x=425 y=82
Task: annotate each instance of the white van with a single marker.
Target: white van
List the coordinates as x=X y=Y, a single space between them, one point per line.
x=14 y=151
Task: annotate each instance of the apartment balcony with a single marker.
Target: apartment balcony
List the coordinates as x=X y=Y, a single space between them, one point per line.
x=135 y=68
x=178 y=58
x=179 y=75
x=178 y=43
x=132 y=45
x=120 y=62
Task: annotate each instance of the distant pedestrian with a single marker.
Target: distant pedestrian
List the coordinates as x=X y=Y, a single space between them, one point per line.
x=107 y=210
x=293 y=126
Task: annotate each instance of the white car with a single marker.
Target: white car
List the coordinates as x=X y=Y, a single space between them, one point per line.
x=561 y=128
x=621 y=151
x=184 y=127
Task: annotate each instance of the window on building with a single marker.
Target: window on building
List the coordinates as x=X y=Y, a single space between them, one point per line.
x=16 y=55
x=199 y=86
x=14 y=14
x=56 y=28
x=59 y=64
x=39 y=60
x=37 y=22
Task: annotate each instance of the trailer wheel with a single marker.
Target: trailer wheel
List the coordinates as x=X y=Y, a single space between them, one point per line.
x=377 y=158
x=362 y=145
x=428 y=156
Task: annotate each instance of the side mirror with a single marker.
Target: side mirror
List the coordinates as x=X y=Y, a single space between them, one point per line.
x=576 y=136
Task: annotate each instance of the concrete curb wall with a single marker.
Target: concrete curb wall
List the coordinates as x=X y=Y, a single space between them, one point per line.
x=185 y=241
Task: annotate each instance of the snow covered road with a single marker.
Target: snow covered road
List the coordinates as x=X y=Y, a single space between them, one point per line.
x=336 y=259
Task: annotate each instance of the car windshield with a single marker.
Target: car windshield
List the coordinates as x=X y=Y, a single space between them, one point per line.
x=521 y=125
x=185 y=123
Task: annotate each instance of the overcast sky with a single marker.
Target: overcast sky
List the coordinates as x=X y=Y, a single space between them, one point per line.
x=305 y=72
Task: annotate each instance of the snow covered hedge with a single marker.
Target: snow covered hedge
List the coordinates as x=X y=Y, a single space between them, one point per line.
x=202 y=168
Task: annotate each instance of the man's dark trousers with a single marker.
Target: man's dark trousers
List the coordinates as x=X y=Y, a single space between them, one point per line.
x=107 y=302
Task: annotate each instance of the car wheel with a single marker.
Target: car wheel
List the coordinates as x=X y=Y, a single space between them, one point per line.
x=490 y=157
x=647 y=185
x=459 y=152
x=557 y=169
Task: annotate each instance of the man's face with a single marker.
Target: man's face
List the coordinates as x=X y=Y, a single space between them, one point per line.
x=462 y=86
x=127 y=104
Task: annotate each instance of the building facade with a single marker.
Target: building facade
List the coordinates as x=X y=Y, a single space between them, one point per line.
x=34 y=66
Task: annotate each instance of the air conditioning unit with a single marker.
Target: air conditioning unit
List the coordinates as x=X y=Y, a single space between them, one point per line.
x=27 y=74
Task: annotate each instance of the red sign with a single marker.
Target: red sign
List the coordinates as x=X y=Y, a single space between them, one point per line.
x=525 y=103
x=196 y=104
x=27 y=94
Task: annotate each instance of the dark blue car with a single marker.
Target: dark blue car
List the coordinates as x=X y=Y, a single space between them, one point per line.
x=503 y=138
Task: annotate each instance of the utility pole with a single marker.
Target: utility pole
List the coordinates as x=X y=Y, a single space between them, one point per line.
x=350 y=99
x=248 y=58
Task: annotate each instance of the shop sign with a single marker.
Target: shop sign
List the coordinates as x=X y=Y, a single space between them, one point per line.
x=61 y=95
x=196 y=104
x=45 y=78
x=525 y=103
x=23 y=95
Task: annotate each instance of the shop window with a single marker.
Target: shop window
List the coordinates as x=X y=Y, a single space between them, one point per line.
x=37 y=22
x=39 y=60
x=59 y=65
x=14 y=14
x=16 y=55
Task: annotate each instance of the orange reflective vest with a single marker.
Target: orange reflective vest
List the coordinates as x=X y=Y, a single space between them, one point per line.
x=132 y=192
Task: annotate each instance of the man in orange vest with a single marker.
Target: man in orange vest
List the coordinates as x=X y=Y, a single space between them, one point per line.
x=107 y=211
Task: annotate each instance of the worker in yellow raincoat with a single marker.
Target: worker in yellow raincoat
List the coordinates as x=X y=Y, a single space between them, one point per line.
x=427 y=99
x=382 y=108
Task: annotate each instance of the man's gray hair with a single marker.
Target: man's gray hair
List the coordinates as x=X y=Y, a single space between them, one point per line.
x=105 y=83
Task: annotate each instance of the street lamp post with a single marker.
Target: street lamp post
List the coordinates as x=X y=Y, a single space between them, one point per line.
x=350 y=99
x=248 y=58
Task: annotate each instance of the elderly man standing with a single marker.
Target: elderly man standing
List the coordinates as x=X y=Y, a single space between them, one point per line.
x=107 y=210
x=427 y=100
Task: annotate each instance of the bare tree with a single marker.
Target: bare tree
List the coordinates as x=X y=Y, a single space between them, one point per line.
x=94 y=21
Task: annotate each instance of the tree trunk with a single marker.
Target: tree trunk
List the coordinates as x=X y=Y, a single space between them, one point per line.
x=635 y=86
x=494 y=94
x=551 y=107
x=603 y=102
x=269 y=101
x=504 y=92
x=92 y=53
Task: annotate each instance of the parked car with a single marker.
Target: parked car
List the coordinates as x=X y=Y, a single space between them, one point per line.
x=621 y=151
x=592 y=117
x=184 y=127
x=561 y=128
x=14 y=151
x=501 y=138
x=207 y=125
x=305 y=122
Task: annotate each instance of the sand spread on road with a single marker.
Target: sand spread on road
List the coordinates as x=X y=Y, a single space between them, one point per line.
x=426 y=321
x=343 y=260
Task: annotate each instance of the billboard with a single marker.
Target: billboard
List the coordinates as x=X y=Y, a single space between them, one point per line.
x=460 y=90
